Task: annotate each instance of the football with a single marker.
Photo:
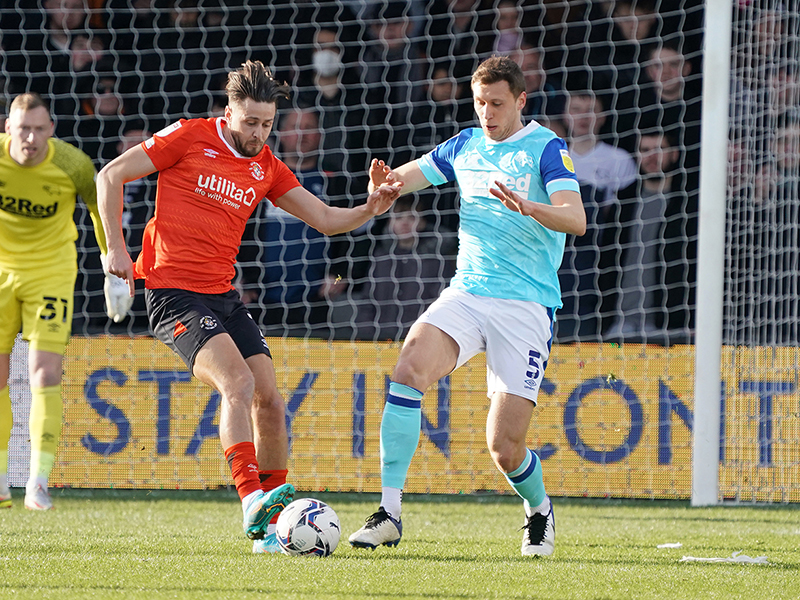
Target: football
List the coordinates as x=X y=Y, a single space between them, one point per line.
x=308 y=527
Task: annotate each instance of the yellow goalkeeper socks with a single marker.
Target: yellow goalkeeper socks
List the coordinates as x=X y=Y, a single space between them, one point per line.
x=45 y=430
x=6 y=422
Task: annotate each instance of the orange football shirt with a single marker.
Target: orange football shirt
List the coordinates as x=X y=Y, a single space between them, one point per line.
x=206 y=192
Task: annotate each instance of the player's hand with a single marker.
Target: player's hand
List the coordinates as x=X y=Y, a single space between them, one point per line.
x=380 y=173
x=512 y=200
x=118 y=290
x=381 y=200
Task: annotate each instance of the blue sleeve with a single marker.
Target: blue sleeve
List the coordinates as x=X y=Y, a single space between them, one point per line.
x=555 y=165
x=437 y=165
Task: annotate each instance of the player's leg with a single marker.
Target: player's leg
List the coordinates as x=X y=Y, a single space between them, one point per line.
x=268 y=414
x=219 y=364
x=47 y=299
x=506 y=428
x=518 y=338
x=10 y=308
x=271 y=440
x=187 y=323
x=46 y=417
x=441 y=339
x=6 y=423
x=428 y=354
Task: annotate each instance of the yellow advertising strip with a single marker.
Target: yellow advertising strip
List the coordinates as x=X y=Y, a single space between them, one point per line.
x=611 y=421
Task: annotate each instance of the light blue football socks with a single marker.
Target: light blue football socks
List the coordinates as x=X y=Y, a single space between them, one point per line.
x=400 y=431
x=527 y=481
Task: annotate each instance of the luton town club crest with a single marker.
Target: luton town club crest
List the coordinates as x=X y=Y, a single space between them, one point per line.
x=255 y=169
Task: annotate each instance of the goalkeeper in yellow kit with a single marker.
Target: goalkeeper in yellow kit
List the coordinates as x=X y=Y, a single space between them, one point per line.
x=40 y=178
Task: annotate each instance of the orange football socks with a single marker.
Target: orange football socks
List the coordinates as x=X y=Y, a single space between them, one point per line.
x=241 y=458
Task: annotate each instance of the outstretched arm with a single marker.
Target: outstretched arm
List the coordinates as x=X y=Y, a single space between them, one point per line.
x=565 y=213
x=130 y=166
x=331 y=220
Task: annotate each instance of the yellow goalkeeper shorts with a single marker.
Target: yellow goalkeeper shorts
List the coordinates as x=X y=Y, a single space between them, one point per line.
x=40 y=302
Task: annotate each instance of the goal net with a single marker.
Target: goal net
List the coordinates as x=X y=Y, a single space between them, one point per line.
x=760 y=396
x=621 y=81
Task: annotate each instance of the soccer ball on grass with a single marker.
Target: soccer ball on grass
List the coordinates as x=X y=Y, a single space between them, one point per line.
x=308 y=527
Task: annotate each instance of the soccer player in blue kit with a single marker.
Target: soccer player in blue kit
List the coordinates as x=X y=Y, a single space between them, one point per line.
x=519 y=197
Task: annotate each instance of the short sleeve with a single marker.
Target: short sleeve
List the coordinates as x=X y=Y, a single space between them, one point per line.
x=555 y=165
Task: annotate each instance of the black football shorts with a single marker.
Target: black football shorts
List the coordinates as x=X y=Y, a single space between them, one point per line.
x=185 y=321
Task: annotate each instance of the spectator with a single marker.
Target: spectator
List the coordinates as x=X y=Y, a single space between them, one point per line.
x=44 y=63
x=643 y=206
x=599 y=165
x=392 y=76
x=461 y=31
x=672 y=105
x=508 y=27
x=189 y=54
x=284 y=270
x=546 y=100
x=136 y=25
x=778 y=174
x=744 y=241
x=333 y=90
x=634 y=25
x=101 y=118
x=86 y=51
x=436 y=120
x=773 y=272
x=407 y=274
x=602 y=170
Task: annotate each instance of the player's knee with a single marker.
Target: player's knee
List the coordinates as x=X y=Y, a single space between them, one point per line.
x=45 y=375
x=269 y=403
x=239 y=387
x=505 y=454
x=407 y=373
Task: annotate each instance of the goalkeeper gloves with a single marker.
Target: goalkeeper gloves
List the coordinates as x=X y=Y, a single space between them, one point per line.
x=118 y=295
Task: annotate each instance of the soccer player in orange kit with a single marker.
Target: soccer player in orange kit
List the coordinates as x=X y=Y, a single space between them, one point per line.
x=212 y=174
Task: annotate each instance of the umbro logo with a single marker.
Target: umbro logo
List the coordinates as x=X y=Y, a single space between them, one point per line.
x=530 y=384
x=210 y=153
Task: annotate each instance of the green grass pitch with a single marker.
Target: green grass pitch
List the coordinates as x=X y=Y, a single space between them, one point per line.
x=153 y=545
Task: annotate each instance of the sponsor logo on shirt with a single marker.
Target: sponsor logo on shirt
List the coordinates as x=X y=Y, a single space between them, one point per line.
x=26 y=208
x=479 y=183
x=224 y=191
x=210 y=153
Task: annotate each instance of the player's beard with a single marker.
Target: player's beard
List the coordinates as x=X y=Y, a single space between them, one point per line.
x=243 y=148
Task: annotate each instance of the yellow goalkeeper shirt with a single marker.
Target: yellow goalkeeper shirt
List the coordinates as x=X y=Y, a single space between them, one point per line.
x=37 y=205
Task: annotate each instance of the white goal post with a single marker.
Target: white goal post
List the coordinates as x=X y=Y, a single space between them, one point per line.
x=711 y=252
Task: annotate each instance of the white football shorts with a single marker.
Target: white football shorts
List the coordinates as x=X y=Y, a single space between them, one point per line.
x=515 y=335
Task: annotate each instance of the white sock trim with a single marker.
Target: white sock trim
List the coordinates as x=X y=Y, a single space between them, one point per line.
x=249 y=498
x=542 y=509
x=391 y=501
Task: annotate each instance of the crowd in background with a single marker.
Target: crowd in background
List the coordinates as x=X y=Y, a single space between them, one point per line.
x=620 y=81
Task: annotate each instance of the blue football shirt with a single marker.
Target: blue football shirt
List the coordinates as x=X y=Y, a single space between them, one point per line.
x=503 y=254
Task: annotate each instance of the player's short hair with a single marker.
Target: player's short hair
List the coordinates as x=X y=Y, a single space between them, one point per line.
x=500 y=68
x=28 y=101
x=255 y=81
